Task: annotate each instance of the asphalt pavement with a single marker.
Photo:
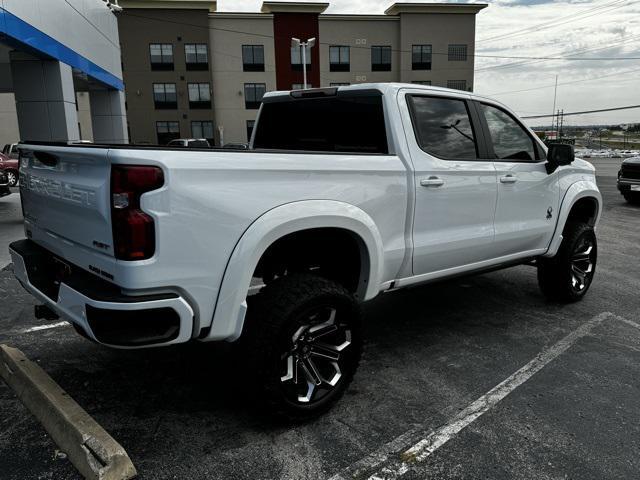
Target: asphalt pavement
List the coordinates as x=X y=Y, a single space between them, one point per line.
x=508 y=384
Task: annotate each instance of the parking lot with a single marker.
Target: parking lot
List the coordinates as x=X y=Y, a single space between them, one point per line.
x=569 y=407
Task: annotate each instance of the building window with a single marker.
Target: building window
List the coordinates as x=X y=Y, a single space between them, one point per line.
x=201 y=129
x=161 y=56
x=422 y=82
x=196 y=56
x=253 y=93
x=296 y=58
x=253 y=58
x=339 y=84
x=250 y=125
x=300 y=86
x=457 y=84
x=167 y=131
x=421 y=57
x=457 y=53
x=338 y=58
x=381 y=59
x=199 y=95
x=164 y=96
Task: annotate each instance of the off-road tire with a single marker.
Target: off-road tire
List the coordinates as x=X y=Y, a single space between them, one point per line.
x=277 y=311
x=556 y=275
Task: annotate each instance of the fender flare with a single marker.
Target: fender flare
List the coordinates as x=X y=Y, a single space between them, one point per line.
x=577 y=191
x=231 y=306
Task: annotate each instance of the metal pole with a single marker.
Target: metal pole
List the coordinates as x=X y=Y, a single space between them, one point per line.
x=555 y=91
x=304 y=64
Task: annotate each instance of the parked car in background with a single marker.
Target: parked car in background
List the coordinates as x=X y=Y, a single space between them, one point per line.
x=189 y=143
x=9 y=166
x=629 y=180
x=11 y=150
x=4 y=185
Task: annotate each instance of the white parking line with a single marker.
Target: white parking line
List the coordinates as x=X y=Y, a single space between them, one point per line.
x=628 y=322
x=397 y=467
x=43 y=327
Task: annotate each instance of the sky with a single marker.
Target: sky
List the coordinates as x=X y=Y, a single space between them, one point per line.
x=544 y=28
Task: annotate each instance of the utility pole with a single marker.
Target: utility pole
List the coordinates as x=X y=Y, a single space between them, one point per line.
x=555 y=91
x=561 y=121
x=296 y=43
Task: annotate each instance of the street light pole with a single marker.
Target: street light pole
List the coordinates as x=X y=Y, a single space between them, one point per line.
x=296 y=43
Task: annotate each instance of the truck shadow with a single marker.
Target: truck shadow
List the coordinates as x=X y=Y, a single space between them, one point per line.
x=206 y=379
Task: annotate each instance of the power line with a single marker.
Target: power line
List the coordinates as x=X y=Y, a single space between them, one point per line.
x=597 y=10
x=472 y=55
x=612 y=109
x=566 y=83
x=574 y=52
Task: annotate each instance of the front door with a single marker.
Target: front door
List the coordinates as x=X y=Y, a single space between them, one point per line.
x=455 y=189
x=528 y=197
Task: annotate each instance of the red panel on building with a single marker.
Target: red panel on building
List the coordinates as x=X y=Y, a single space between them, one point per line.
x=302 y=26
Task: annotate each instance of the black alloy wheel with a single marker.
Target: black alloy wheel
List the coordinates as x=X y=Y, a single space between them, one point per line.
x=302 y=341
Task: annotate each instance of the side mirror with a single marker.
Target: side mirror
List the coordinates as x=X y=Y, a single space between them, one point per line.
x=559 y=154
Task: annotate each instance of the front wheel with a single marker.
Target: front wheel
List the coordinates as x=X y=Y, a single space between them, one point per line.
x=302 y=344
x=567 y=276
x=632 y=197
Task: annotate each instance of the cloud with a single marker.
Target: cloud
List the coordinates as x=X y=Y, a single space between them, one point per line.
x=542 y=28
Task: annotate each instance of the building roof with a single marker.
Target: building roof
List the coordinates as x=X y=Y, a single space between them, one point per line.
x=412 y=7
x=293 y=7
x=210 y=5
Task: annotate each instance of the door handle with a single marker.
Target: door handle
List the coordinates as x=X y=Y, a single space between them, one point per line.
x=508 y=178
x=432 y=181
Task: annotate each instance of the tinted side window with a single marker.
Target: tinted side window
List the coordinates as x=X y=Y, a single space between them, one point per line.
x=510 y=141
x=443 y=127
x=333 y=124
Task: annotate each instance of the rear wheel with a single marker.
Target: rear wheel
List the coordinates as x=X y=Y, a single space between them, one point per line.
x=567 y=276
x=12 y=178
x=302 y=344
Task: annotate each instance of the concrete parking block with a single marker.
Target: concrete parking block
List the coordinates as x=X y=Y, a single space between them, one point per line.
x=90 y=448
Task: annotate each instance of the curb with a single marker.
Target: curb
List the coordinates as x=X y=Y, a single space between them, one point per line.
x=89 y=447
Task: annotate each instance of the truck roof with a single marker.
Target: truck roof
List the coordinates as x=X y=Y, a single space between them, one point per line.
x=384 y=88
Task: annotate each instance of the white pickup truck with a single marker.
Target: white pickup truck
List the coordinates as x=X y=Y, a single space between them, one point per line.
x=344 y=193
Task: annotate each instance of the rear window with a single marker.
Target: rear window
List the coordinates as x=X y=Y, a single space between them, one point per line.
x=328 y=124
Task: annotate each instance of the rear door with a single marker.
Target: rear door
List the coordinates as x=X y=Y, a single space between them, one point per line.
x=65 y=195
x=528 y=197
x=455 y=186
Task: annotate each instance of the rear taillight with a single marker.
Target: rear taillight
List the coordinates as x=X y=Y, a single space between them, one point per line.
x=134 y=236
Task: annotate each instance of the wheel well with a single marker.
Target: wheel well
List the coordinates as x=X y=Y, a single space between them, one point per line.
x=334 y=253
x=584 y=210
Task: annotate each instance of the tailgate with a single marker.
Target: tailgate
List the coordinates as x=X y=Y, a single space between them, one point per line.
x=65 y=193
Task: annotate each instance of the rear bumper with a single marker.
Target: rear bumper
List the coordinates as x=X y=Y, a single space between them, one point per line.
x=97 y=306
